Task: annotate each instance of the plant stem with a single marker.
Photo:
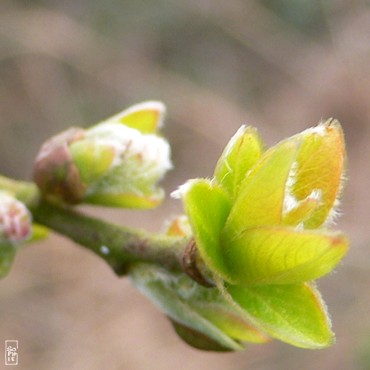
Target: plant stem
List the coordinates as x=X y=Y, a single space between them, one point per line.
x=119 y=246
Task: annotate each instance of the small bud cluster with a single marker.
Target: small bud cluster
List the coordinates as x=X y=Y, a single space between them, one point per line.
x=15 y=220
x=118 y=162
x=261 y=228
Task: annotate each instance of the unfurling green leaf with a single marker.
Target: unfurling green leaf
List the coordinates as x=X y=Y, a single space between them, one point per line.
x=207 y=206
x=258 y=226
x=278 y=255
x=240 y=155
x=294 y=314
x=261 y=196
x=146 y=117
x=320 y=166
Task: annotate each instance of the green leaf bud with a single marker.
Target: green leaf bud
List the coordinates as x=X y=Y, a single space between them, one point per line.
x=260 y=227
x=295 y=314
x=139 y=162
x=117 y=162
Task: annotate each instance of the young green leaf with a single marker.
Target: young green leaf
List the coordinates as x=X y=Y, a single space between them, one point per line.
x=279 y=255
x=240 y=155
x=147 y=117
x=261 y=197
x=320 y=166
x=294 y=314
x=207 y=205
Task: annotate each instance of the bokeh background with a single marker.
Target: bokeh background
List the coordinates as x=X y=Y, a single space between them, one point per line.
x=279 y=65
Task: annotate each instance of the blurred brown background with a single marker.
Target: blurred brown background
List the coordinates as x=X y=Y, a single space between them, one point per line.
x=279 y=65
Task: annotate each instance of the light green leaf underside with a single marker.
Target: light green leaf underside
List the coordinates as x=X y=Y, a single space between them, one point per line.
x=279 y=255
x=172 y=294
x=207 y=206
x=294 y=314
